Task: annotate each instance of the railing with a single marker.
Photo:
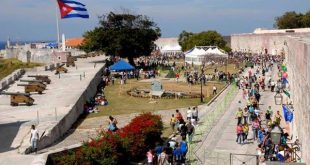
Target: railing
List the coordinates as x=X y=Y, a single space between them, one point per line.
x=296 y=152
x=246 y=159
x=208 y=121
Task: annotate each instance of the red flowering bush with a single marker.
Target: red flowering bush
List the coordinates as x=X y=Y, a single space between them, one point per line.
x=128 y=143
x=142 y=133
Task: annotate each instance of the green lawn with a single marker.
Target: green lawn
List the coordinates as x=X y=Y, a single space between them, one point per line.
x=7 y=66
x=122 y=103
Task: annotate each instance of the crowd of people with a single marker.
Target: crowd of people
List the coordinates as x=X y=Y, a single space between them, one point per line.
x=175 y=149
x=261 y=122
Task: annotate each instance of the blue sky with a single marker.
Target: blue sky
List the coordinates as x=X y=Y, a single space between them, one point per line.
x=35 y=19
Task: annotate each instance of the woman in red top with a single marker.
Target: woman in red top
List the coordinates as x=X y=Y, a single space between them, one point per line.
x=239 y=131
x=178 y=116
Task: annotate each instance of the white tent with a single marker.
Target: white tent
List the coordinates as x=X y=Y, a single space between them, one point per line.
x=196 y=56
x=219 y=53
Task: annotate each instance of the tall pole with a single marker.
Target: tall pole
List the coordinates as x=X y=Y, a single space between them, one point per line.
x=201 y=96
x=57 y=23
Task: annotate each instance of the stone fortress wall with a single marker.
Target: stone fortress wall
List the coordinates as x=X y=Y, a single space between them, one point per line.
x=296 y=48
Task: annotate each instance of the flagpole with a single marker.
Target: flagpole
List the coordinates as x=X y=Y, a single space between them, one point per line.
x=57 y=24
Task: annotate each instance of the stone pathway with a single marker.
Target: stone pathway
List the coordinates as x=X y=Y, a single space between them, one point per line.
x=221 y=141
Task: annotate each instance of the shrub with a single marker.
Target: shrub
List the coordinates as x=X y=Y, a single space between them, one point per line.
x=128 y=143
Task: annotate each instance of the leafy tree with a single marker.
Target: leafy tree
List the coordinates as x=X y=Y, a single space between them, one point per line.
x=289 y=20
x=183 y=36
x=206 y=38
x=306 y=19
x=125 y=35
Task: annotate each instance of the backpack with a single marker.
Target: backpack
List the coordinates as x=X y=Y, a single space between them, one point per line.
x=183 y=147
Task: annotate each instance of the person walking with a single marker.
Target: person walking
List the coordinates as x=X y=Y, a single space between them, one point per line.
x=190 y=131
x=239 y=131
x=245 y=129
x=195 y=113
x=178 y=116
x=255 y=127
x=214 y=90
x=245 y=116
x=173 y=122
x=239 y=115
x=189 y=114
x=278 y=118
x=34 y=138
x=184 y=149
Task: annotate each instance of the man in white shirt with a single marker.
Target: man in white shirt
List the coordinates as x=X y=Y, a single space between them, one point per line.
x=189 y=114
x=214 y=90
x=34 y=138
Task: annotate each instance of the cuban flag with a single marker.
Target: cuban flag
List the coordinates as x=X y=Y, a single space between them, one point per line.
x=288 y=115
x=71 y=9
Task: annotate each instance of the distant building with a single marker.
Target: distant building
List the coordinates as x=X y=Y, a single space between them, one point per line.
x=74 y=42
x=168 y=46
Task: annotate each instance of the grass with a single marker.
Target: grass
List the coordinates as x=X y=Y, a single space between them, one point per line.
x=7 y=66
x=121 y=103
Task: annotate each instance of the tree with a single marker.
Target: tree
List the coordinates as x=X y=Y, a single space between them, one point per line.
x=183 y=36
x=291 y=20
x=125 y=35
x=306 y=19
x=206 y=38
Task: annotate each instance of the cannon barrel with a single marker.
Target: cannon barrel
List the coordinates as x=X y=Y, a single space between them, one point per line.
x=23 y=85
x=61 y=65
x=39 y=81
x=37 y=76
x=14 y=93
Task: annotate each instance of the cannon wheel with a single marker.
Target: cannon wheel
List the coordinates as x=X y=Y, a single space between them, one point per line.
x=14 y=104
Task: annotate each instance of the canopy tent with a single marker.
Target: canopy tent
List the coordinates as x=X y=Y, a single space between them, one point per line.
x=121 y=65
x=198 y=56
x=217 y=52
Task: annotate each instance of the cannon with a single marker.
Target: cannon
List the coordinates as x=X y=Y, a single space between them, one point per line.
x=35 y=82
x=70 y=61
x=43 y=78
x=61 y=68
x=29 y=88
x=17 y=98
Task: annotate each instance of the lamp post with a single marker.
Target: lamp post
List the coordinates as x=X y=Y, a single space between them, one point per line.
x=275 y=134
x=201 y=96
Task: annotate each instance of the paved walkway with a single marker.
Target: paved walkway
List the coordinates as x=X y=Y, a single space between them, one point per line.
x=221 y=141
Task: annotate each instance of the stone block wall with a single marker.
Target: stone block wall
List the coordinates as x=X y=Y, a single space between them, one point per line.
x=10 y=79
x=299 y=78
x=75 y=111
